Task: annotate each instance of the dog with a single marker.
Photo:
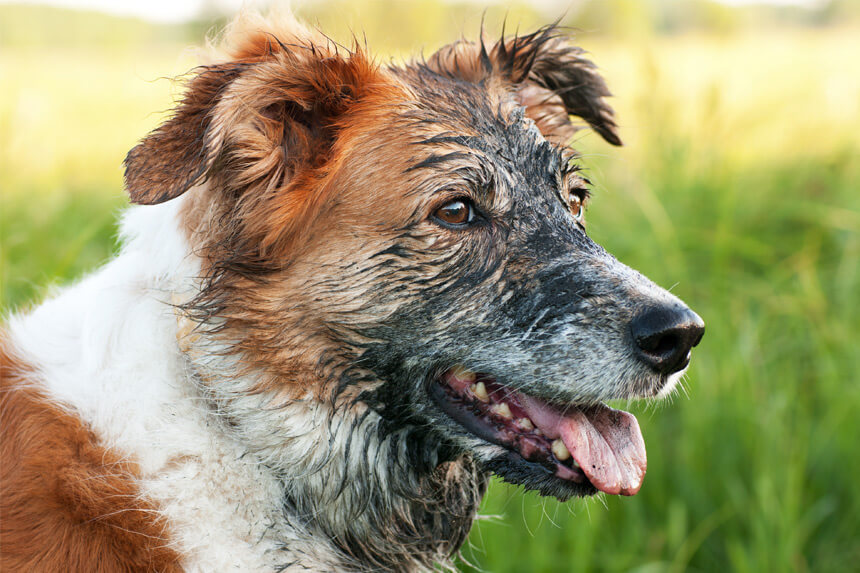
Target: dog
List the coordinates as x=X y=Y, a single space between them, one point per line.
x=347 y=295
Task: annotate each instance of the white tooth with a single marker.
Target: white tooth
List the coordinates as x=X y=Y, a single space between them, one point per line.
x=525 y=424
x=502 y=410
x=538 y=432
x=460 y=373
x=480 y=391
x=560 y=450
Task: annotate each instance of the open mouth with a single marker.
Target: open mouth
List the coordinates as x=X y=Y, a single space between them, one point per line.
x=581 y=444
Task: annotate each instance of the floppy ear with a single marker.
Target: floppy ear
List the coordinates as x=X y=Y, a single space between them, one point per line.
x=180 y=152
x=262 y=118
x=550 y=78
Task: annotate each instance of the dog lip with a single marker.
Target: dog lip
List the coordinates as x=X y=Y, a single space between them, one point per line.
x=535 y=449
x=606 y=445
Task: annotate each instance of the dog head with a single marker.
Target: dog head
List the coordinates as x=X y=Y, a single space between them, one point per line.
x=407 y=245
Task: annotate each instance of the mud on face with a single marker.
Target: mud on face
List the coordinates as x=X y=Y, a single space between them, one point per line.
x=412 y=238
x=510 y=326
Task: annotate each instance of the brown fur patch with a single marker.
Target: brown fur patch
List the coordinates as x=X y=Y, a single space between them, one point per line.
x=284 y=131
x=66 y=503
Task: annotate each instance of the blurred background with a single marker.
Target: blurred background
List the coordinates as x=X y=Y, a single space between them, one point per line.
x=738 y=188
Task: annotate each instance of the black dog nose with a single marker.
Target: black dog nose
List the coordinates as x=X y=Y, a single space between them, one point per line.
x=665 y=335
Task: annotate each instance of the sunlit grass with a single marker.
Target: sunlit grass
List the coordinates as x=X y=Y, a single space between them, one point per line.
x=739 y=188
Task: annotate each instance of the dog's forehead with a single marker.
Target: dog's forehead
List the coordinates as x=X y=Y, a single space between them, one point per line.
x=479 y=126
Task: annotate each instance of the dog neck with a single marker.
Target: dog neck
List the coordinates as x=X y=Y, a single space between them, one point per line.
x=384 y=498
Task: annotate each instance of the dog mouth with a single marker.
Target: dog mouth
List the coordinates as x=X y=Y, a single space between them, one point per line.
x=588 y=446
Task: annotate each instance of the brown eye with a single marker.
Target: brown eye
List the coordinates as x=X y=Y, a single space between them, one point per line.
x=456 y=213
x=575 y=204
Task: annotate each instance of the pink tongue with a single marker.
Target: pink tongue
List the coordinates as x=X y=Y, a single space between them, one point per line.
x=606 y=443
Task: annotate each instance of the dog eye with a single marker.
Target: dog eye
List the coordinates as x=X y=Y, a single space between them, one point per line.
x=457 y=213
x=576 y=208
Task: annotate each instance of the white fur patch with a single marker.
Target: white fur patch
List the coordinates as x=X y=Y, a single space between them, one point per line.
x=107 y=348
x=671 y=384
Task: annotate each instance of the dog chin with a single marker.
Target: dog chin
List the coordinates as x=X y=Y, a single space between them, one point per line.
x=514 y=469
x=671 y=385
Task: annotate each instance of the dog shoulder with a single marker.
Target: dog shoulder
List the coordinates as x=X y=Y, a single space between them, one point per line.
x=105 y=440
x=79 y=372
x=68 y=503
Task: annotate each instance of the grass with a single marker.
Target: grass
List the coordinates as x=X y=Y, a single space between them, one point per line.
x=738 y=188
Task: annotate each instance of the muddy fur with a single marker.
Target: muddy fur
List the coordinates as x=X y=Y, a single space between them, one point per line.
x=331 y=299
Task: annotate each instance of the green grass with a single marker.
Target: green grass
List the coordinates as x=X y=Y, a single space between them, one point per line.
x=739 y=188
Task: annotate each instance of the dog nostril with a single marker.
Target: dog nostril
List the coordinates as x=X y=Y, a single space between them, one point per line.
x=665 y=335
x=662 y=344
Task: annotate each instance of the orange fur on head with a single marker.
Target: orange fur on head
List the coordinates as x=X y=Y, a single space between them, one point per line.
x=266 y=133
x=267 y=121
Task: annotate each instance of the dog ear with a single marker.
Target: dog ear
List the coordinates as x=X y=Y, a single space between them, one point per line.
x=262 y=119
x=180 y=152
x=550 y=78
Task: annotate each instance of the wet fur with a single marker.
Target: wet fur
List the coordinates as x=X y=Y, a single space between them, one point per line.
x=315 y=299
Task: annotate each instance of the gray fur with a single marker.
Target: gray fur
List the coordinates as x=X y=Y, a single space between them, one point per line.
x=375 y=471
